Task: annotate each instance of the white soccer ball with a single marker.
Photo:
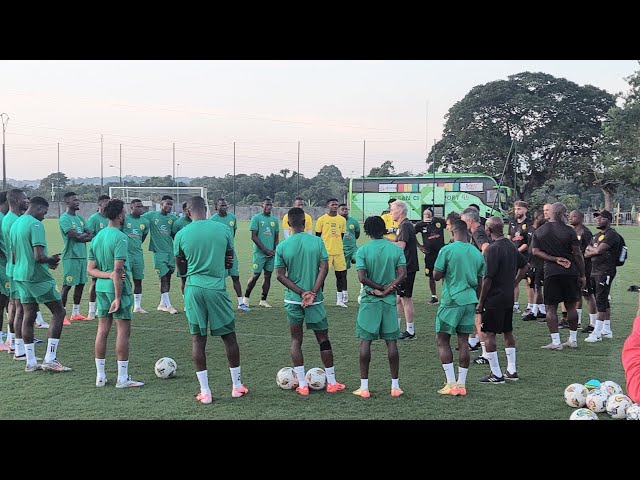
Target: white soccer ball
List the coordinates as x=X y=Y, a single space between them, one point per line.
x=316 y=378
x=576 y=395
x=633 y=412
x=612 y=388
x=583 y=414
x=166 y=368
x=286 y=378
x=617 y=406
x=597 y=400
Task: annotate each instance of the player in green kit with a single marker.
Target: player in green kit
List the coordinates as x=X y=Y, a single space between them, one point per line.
x=136 y=227
x=207 y=303
x=74 y=255
x=109 y=264
x=161 y=244
x=182 y=221
x=349 y=246
x=302 y=264
x=95 y=223
x=5 y=286
x=35 y=284
x=230 y=220
x=264 y=235
x=381 y=269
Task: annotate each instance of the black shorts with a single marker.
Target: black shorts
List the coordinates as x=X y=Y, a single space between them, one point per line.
x=538 y=273
x=589 y=289
x=497 y=320
x=601 y=285
x=530 y=277
x=561 y=289
x=406 y=288
x=429 y=263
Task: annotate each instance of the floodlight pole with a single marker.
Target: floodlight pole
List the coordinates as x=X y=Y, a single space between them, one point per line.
x=298 y=173
x=5 y=120
x=101 y=164
x=58 y=183
x=234 y=180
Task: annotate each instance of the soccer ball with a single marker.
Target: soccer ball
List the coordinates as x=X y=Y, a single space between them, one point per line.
x=576 y=395
x=316 y=378
x=617 y=406
x=633 y=412
x=597 y=400
x=166 y=368
x=583 y=414
x=612 y=388
x=286 y=378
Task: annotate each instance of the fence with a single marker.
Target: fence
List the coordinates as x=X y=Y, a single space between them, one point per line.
x=625 y=218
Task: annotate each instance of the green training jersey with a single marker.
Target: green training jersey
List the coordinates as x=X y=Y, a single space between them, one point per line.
x=381 y=259
x=96 y=222
x=462 y=264
x=7 y=222
x=72 y=249
x=301 y=255
x=136 y=229
x=3 y=247
x=180 y=224
x=266 y=226
x=109 y=245
x=204 y=245
x=160 y=227
x=28 y=232
x=352 y=233
x=229 y=220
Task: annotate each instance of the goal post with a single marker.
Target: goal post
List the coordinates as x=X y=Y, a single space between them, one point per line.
x=151 y=196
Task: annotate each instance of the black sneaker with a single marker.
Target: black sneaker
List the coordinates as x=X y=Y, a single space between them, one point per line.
x=406 y=336
x=511 y=376
x=588 y=329
x=433 y=301
x=481 y=361
x=475 y=348
x=541 y=315
x=563 y=324
x=528 y=317
x=491 y=378
x=542 y=319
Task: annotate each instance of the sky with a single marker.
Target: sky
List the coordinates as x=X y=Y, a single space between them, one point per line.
x=280 y=114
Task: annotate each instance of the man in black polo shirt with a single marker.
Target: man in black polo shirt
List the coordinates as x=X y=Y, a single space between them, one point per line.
x=576 y=217
x=520 y=231
x=557 y=244
x=494 y=311
x=602 y=252
x=432 y=230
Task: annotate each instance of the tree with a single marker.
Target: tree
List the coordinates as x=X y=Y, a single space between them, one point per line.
x=58 y=180
x=385 y=170
x=549 y=127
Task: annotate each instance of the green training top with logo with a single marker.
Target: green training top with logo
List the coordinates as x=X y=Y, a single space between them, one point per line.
x=462 y=264
x=96 y=222
x=72 y=249
x=301 y=255
x=204 y=245
x=3 y=247
x=266 y=226
x=135 y=229
x=349 y=239
x=229 y=220
x=160 y=227
x=28 y=232
x=180 y=224
x=7 y=222
x=380 y=259
x=109 y=245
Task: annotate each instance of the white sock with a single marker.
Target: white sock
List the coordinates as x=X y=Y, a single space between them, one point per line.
x=449 y=372
x=530 y=306
x=399 y=322
x=484 y=350
x=542 y=309
x=579 y=310
x=236 y=376
x=462 y=376
x=598 y=330
x=39 y=318
x=19 y=347
x=10 y=340
x=473 y=340
x=203 y=378
x=607 y=326
x=573 y=335
x=245 y=300
x=331 y=375
x=516 y=305
x=92 y=308
x=31 y=354
x=534 y=309
x=410 y=328
x=123 y=371
x=494 y=363
x=555 y=338
x=339 y=295
x=364 y=384
x=592 y=319
x=76 y=310
x=137 y=300
x=164 y=299
x=395 y=384
x=302 y=381
x=511 y=359
x=52 y=350
x=239 y=301
x=100 y=373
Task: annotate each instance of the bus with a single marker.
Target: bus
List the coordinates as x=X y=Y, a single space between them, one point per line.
x=443 y=193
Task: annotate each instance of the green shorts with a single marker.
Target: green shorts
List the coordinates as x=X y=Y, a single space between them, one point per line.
x=261 y=262
x=348 y=256
x=5 y=285
x=137 y=267
x=315 y=316
x=40 y=292
x=103 y=304
x=459 y=319
x=208 y=308
x=377 y=320
x=74 y=271
x=164 y=263
x=234 y=271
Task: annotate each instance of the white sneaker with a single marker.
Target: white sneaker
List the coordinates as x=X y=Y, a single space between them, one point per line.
x=552 y=346
x=608 y=335
x=570 y=344
x=592 y=338
x=345 y=297
x=172 y=310
x=42 y=324
x=139 y=310
x=264 y=303
x=130 y=382
x=245 y=301
x=341 y=304
x=526 y=312
x=516 y=309
x=101 y=382
x=162 y=308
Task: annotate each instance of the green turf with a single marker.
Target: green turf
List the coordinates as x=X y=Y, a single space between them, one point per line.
x=264 y=348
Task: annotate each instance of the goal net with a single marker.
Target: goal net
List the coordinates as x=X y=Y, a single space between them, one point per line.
x=151 y=196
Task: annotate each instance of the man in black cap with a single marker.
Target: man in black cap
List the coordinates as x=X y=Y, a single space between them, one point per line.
x=602 y=252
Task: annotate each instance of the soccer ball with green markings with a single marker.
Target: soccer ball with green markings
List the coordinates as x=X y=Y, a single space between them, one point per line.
x=583 y=414
x=166 y=368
